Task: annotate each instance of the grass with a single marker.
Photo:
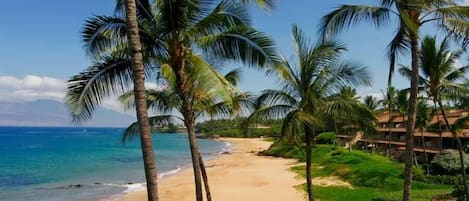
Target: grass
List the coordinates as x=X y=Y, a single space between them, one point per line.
x=367 y=194
x=372 y=175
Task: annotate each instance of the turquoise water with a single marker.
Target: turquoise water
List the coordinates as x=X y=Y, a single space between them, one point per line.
x=49 y=163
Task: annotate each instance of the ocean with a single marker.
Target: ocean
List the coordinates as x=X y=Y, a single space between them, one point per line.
x=83 y=164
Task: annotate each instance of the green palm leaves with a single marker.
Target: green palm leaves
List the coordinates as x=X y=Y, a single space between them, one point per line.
x=410 y=16
x=218 y=28
x=439 y=72
x=309 y=85
x=316 y=75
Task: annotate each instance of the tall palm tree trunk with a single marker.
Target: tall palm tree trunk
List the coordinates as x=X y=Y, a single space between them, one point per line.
x=141 y=101
x=440 y=132
x=389 y=121
x=411 y=117
x=208 y=193
x=422 y=138
x=309 y=183
x=188 y=114
x=460 y=149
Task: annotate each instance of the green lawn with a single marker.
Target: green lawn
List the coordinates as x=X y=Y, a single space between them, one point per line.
x=372 y=175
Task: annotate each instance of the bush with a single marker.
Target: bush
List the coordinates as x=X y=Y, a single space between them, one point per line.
x=447 y=162
x=441 y=179
x=459 y=191
x=326 y=138
x=417 y=174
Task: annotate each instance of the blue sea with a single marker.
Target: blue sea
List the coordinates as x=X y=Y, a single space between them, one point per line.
x=78 y=164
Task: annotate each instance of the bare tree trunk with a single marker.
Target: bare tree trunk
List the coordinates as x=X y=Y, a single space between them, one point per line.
x=188 y=121
x=460 y=149
x=425 y=152
x=440 y=132
x=411 y=116
x=141 y=101
x=389 y=121
x=188 y=114
x=208 y=193
x=309 y=183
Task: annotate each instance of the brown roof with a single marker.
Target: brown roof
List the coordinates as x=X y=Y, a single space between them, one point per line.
x=395 y=117
x=452 y=115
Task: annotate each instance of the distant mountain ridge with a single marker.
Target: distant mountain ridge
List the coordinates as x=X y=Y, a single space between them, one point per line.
x=54 y=113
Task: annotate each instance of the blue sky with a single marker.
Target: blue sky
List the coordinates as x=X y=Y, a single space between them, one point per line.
x=41 y=44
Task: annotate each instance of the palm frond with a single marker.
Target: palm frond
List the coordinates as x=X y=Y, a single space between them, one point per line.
x=272 y=96
x=156 y=121
x=177 y=16
x=86 y=90
x=456 y=29
x=406 y=72
x=270 y=112
x=144 y=8
x=346 y=74
x=102 y=34
x=267 y=5
x=233 y=76
x=454 y=12
x=161 y=101
x=348 y=15
x=457 y=74
x=399 y=45
x=207 y=79
x=226 y=15
x=460 y=124
x=241 y=43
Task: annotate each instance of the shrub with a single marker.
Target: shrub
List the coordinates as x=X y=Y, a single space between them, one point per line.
x=326 y=138
x=447 y=162
x=417 y=174
x=440 y=179
x=459 y=191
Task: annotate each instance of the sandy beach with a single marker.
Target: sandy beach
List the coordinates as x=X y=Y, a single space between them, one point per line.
x=239 y=176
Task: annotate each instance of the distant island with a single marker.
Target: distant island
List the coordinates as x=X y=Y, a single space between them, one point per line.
x=54 y=113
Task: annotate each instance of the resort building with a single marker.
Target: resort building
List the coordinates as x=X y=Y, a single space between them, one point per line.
x=392 y=130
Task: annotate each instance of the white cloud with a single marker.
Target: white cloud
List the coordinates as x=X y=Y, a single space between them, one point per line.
x=33 y=87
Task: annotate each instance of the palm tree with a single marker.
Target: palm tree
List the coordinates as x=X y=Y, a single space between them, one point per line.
x=307 y=83
x=140 y=101
x=402 y=103
x=82 y=105
x=209 y=97
x=372 y=103
x=423 y=119
x=411 y=16
x=345 y=107
x=172 y=32
x=439 y=77
x=389 y=105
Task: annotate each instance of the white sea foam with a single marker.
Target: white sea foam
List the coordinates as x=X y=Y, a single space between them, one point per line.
x=171 y=172
x=228 y=147
x=134 y=187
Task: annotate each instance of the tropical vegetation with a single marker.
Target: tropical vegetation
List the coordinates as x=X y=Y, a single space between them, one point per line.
x=172 y=33
x=440 y=78
x=310 y=92
x=411 y=15
x=185 y=43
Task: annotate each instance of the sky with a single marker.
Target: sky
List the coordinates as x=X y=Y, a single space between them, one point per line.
x=40 y=44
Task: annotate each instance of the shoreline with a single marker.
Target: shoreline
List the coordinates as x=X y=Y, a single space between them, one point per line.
x=140 y=187
x=239 y=175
